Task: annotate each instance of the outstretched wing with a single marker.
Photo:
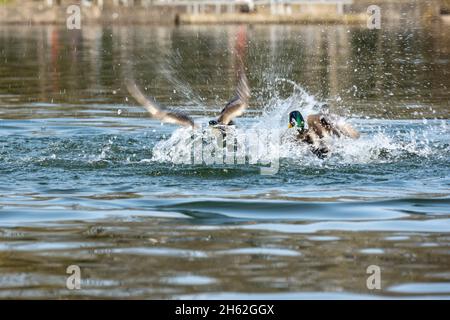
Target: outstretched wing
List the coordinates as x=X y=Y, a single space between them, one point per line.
x=155 y=110
x=348 y=130
x=239 y=103
x=321 y=125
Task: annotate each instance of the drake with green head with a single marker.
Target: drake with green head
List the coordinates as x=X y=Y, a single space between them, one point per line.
x=319 y=126
x=309 y=135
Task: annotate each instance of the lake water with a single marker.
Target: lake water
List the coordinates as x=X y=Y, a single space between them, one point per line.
x=88 y=179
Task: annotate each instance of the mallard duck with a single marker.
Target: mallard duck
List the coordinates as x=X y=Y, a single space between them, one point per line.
x=319 y=126
x=234 y=108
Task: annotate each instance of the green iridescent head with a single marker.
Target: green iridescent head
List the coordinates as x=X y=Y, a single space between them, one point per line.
x=296 y=120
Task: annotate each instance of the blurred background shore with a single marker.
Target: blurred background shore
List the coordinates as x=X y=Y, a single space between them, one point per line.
x=28 y=12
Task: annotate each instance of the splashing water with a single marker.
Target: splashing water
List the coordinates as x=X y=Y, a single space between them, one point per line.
x=380 y=141
x=168 y=69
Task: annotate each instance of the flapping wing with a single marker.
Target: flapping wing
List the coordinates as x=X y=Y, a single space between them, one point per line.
x=239 y=103
x=339 y=128
x=155 y=110
x=348 y=130
x=321 y=125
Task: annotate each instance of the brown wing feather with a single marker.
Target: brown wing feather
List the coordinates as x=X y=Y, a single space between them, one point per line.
x=155 y=110
x=237 y=105
x=321 y=126
x=348 y=130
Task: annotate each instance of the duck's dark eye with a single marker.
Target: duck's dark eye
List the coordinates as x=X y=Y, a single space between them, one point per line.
x=213 y=122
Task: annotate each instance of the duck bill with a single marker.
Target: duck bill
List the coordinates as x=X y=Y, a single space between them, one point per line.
x=290 y=125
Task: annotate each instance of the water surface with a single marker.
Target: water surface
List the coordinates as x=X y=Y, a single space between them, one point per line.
x=86 y=178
